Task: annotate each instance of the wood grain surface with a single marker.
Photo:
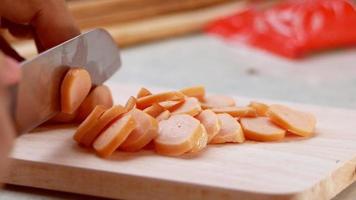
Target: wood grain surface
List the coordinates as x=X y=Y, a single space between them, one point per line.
x=295 y=168
x=91 y=13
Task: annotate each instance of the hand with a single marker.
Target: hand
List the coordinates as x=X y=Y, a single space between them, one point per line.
x=9 y=74
x=47 y=21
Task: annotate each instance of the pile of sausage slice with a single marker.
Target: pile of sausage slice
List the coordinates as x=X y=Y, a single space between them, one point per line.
x=172 y=122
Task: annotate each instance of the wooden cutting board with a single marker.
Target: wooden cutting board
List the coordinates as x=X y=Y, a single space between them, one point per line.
x=296 y=168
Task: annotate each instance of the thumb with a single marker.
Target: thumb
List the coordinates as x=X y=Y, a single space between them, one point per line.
x=9 y=74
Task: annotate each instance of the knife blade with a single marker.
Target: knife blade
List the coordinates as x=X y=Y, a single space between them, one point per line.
x=36 y=98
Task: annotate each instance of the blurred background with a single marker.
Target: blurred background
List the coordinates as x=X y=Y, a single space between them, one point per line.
x=156 y=36
x=133 y=22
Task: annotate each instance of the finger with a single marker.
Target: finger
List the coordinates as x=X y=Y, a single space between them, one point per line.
x=22 y=31
x=17 y=30
x=8 y=50
x=10 y=72
x=40 y=47
x=51 y=19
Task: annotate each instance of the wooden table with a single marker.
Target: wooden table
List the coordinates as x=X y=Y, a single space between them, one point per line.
x=326 y=79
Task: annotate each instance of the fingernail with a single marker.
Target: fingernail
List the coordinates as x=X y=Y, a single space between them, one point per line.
x=10 y=73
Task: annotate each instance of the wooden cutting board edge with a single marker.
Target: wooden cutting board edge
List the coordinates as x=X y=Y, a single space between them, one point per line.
x=131 y=186
x=333 y=184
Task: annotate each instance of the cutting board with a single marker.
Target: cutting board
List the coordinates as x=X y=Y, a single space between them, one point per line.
x=295 y=168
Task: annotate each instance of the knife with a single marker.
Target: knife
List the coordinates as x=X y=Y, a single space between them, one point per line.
x=36 y=98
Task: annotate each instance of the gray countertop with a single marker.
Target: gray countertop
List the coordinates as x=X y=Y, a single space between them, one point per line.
x=327 y=79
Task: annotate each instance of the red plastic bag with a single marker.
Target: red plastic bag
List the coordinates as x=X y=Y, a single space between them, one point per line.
x=293 y=28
